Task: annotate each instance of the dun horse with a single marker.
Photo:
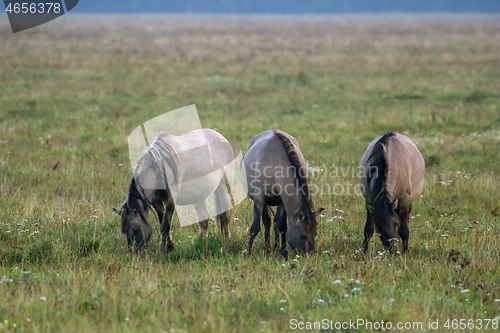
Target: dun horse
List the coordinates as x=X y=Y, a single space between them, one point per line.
x=391 y=177
x=182 y=170
x=275 y=176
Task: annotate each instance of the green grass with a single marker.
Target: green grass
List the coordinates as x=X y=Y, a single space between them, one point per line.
x=71 y=91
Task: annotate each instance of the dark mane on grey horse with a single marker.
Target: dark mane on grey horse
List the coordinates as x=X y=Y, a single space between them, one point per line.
x=156 y=153
x=307 y=205
x=378 y=162
x=135 y=195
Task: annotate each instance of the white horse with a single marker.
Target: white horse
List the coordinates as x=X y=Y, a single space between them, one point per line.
x=179 y=170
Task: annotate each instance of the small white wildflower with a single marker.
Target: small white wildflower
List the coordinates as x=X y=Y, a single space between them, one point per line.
x=465 y=291
x=283 y=301
x=337 y=281
x=43 y=298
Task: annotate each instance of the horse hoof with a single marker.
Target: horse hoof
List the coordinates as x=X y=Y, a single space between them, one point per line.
x=167 y=248
x=284 y=253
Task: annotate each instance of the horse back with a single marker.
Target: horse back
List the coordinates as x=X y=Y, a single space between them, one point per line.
x=266 y=163
x=406 y=168
x=405 y=171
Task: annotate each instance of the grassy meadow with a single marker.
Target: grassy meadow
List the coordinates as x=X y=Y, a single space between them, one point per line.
x=72 y=90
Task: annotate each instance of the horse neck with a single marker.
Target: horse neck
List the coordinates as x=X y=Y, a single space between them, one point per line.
x=147 y=183
x=392 y=157
x=293 y=202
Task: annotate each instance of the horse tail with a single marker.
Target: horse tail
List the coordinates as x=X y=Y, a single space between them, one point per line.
x=225 y=216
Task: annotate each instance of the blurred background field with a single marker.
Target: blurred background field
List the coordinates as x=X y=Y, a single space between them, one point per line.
x=71 y=92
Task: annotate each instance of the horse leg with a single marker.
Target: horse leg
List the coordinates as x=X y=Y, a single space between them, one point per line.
x=255 y=228
x=280 y=227
x=158 y=206
x=201 y=210
x=224 y=208
x=283 y=227
x=277 y=221
x=404 y=231
x=130 y=243
x=369 y=227
x=266 y=219
x=167 y=244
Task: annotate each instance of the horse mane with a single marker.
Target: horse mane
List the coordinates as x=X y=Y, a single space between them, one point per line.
x=378 y=191
x=159 y=150
x=135 y=195
x=307 y=205
x=156 y=153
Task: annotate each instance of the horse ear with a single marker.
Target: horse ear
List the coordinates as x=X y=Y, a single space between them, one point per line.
x=117 y=211
x=395 y=203
x=316 y=213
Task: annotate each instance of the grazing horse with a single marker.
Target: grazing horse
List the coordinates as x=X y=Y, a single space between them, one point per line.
x=274 y=171
x=179 y=170
x=391 y=175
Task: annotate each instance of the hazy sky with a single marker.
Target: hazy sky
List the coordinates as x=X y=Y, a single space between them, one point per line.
x=286 y=6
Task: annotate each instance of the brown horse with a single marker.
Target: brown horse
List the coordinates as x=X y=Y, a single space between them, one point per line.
x=274 y=171
x=391 y=175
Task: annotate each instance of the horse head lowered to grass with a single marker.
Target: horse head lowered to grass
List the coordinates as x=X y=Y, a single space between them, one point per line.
x=275 y=176
x=179 y=170
x=391 y=177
